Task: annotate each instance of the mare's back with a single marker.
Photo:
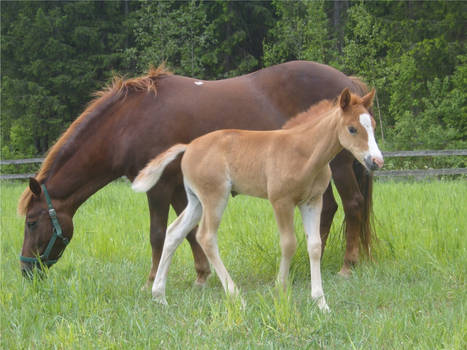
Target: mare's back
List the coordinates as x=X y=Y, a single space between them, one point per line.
x=186 y=108
x=262 y=100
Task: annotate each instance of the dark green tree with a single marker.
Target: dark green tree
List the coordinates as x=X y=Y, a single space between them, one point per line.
x=173 y=32
x=300 y=32
x=55 y=54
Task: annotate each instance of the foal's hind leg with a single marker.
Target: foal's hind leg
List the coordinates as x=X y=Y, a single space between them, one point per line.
x=311 y=212
x=176 y=232
x=203 y=270
x=207 y=238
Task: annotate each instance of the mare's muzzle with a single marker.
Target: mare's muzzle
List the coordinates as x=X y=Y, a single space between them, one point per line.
x=28 y=264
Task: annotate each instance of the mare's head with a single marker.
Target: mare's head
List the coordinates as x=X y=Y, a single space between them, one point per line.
x=46 y=231
x=356 y=129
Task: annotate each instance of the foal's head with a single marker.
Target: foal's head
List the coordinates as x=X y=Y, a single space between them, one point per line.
x=356 y=129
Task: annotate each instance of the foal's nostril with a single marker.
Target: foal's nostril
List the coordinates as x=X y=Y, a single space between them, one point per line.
x=373 y=163
x=377 y=163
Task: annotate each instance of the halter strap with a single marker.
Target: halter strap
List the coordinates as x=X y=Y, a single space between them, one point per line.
x=57 y=233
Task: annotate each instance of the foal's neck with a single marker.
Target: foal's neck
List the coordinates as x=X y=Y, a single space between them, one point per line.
x=320 y=138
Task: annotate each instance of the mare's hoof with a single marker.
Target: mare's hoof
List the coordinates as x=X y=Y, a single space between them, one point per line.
x=146 y=286
x=202 y=278
x=199 y=285
x=345 y=272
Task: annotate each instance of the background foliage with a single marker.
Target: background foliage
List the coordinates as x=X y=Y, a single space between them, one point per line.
x=55 y=54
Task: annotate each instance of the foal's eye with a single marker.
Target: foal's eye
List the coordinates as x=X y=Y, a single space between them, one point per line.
x=352 y=130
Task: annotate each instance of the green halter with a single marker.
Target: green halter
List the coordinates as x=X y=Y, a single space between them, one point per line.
x=57 y=232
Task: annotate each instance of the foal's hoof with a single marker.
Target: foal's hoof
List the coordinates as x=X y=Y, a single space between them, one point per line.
x=323 y=306
x=325 y=309
x=158 y=295
x=160 y=299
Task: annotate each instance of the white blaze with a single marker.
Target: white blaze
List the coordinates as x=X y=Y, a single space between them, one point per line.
x=373 y=148
x=199 y=83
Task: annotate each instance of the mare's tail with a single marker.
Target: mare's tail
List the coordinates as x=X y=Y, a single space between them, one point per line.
x=365 y=184
x=152 y=172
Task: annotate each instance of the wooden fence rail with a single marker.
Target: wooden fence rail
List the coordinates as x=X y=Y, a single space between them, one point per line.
x=418 y=173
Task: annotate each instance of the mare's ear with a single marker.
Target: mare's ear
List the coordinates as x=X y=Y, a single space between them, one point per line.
x=35 y=187
x=368 y=99
x=344 y=99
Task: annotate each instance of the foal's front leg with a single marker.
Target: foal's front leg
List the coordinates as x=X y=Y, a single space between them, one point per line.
x=284 y=213
x=311 y=212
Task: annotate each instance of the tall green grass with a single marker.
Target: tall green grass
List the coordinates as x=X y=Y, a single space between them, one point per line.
x=412 y=297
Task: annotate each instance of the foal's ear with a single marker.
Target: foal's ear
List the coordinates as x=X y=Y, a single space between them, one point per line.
x=35 y=187
x=368 y=98
x=344 y=99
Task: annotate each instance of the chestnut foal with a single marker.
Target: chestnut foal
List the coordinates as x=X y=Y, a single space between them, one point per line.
x=289 y=167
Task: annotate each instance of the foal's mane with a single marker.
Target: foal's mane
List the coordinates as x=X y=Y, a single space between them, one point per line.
x=311 y=113
x=117 y=90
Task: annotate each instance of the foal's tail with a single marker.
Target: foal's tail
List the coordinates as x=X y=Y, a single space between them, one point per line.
x=152 y=172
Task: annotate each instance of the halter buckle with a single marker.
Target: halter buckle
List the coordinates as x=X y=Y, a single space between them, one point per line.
x=52 y=213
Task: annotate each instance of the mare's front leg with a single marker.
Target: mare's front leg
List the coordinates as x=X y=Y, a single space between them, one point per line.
x=284 y=213
x=176 y=232
x=327 y=215
x=353 y=203
x=311 y=212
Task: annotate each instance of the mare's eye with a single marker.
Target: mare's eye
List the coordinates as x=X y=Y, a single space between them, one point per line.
x=352 y=130
x=31 y=225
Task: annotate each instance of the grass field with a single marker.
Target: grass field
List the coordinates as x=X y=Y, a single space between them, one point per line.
x=413 y=297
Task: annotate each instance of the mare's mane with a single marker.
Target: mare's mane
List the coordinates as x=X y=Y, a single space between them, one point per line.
x=324 y=106
x=117 y=90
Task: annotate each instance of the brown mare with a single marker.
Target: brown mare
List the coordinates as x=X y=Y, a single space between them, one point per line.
x=289 y=167
x=134 y=120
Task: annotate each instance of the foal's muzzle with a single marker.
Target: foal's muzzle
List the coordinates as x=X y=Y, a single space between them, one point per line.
x=374 y=163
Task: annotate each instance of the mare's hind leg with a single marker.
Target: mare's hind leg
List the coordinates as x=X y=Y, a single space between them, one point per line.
x=176 y=232
x=213 y=209
x=158 y=201
x=327 y=215
x=353 y=202
x=203 y=270
x=284 y=212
